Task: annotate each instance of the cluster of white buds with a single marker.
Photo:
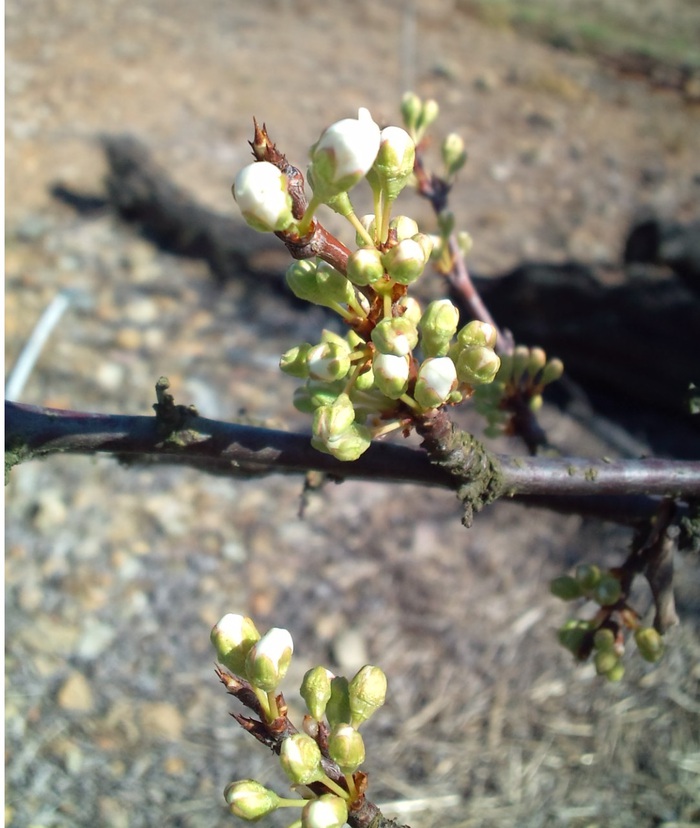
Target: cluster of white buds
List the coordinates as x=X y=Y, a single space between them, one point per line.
x=336 y=710
x=603 y=637
x=397 y=361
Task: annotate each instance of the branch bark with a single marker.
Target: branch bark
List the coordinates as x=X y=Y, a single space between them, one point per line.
x=624 y=491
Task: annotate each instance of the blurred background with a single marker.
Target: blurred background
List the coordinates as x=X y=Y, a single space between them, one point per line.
x=578 y=118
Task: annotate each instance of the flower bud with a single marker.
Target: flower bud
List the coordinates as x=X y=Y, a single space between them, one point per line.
x=300 y=758
x=393 y=165
x=260 y=190
x=319 y=283
x=478 y=333
x=406 y=261
x=404 y=226
x=316 y=690
x=269 y=658
x=332 y=420
x=566 y=588
x=366 y=693
x=605 y=661
x=293 y=361
x=477 y=366
x=437 y=377
x=411 y=110
x=338 y=707
x=347 y=446
x=454 y=155
x=588 y=575
x=315 y=394
x=346 y=747
x=446 y=222
x=411 y=309
x=369 y=224
x=391 y=374
x=437 y=326
x=650 y=644
x=249 y=800
x=552 y=371
x=465 y=243
x=616 y=673
x=328 y=361
x=429 y=113
x=233 y=637
x=396 y=335
x=343 y=155
x=365 y=266
x=607 y=591
x=575 y=635
x=604 y=639
x=521 y=357
x=536 y=361
x=328 y=811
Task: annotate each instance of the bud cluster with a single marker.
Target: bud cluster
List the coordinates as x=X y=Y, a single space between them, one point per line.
x=603 y=637
x=330 y=742
x=520 y=381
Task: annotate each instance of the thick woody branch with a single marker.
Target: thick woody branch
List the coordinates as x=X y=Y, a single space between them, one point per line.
x=568 y=484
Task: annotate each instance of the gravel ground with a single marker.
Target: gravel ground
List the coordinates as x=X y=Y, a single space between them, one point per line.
x=114 y=575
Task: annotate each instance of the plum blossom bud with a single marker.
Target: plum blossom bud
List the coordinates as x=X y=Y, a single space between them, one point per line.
x=396 y=335
x=552 y=371
x=346 y=747
x=332 y=420
x=319 y=283
x=338 y=707
x=343 y=155
x=316 y=690
x=411 y=109
x=300 y=758
x=328 y=811
x=405 y=262
x=269 y=658
x=233 y=637
x=477 y=333
x=428 y=115
x=293 y=361
x=454 y=155
x=437 y=377
x=249 y=800
x=367 y=693
x=365 y=266
x=411 y=309
x=260 y=190
x=328 y=361
x=391 y=374
x=437 y=326
x=315 y=394
x=650 y=643
x=477 y=365
x=393 y=165
x=348 y=446
x=405 y=227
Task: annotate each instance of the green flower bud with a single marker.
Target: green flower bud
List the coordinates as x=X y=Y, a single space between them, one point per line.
x=446 y=222
x=477 y=333
x=650 y=644
x=293 y=361
x=604 y=639
x=315 y=394
x=521 y=357
x=536 y=361
x=437 y=327
x=536 y=403
x=319 y=284
x=588 y=575
x=454 y=155
x=332 y=420
x=393 y=165
x=268 y=660
x=607 y=591
x=616 y=673
x=396 y=335
x=404 y=226
x=328 y=361
x=391 y=374
x=566 y=588
x=437 y=377
x=343 y=155
x=336 y=289
x=260 y=190
x=605 y=661
x=366 y=693
x=346 y=747
x=365 y=266
x=477 y=366
x=465 y=243
x=574 y=635
x=249 y=800
x=411 y=110
x=300 y=758
x=338 y=707
x=233 y=638
x=428 y=116
x=328 y=811
x=364 y=381
x=411 y=309
x=552 y=371
x=406 y=261
x=347 y=446
x=316 y=691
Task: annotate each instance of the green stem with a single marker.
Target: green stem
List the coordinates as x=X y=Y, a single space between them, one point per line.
x=352 y=788
x=335 y=787
x=410 y=402
x=308 y=217
x=359 y=229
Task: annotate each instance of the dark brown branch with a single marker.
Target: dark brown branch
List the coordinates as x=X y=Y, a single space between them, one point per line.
x=233 y=449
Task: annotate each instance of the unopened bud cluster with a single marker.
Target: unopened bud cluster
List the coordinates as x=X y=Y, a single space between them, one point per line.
x=521 y=379
x=330 y=737
x=602 y=638
x=396 y=361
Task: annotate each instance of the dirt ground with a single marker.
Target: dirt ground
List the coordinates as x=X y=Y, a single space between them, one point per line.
x=114 y=575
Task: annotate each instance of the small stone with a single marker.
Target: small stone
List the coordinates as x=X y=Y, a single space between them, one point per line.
x=110 y=376
x=350 y=650
x=161 y=720
x=75 y=694
x=96 y=638
x=50 y=511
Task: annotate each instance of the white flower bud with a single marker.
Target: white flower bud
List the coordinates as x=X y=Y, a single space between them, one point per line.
x=437 y=377
x=249 y=800
x=269 y=659
x=346 y=747
x=391 y=374
x=233 y=637
x=300 y=758
x=328 y=811
x=260 y=190
x=393 y=165
x=396 y=335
